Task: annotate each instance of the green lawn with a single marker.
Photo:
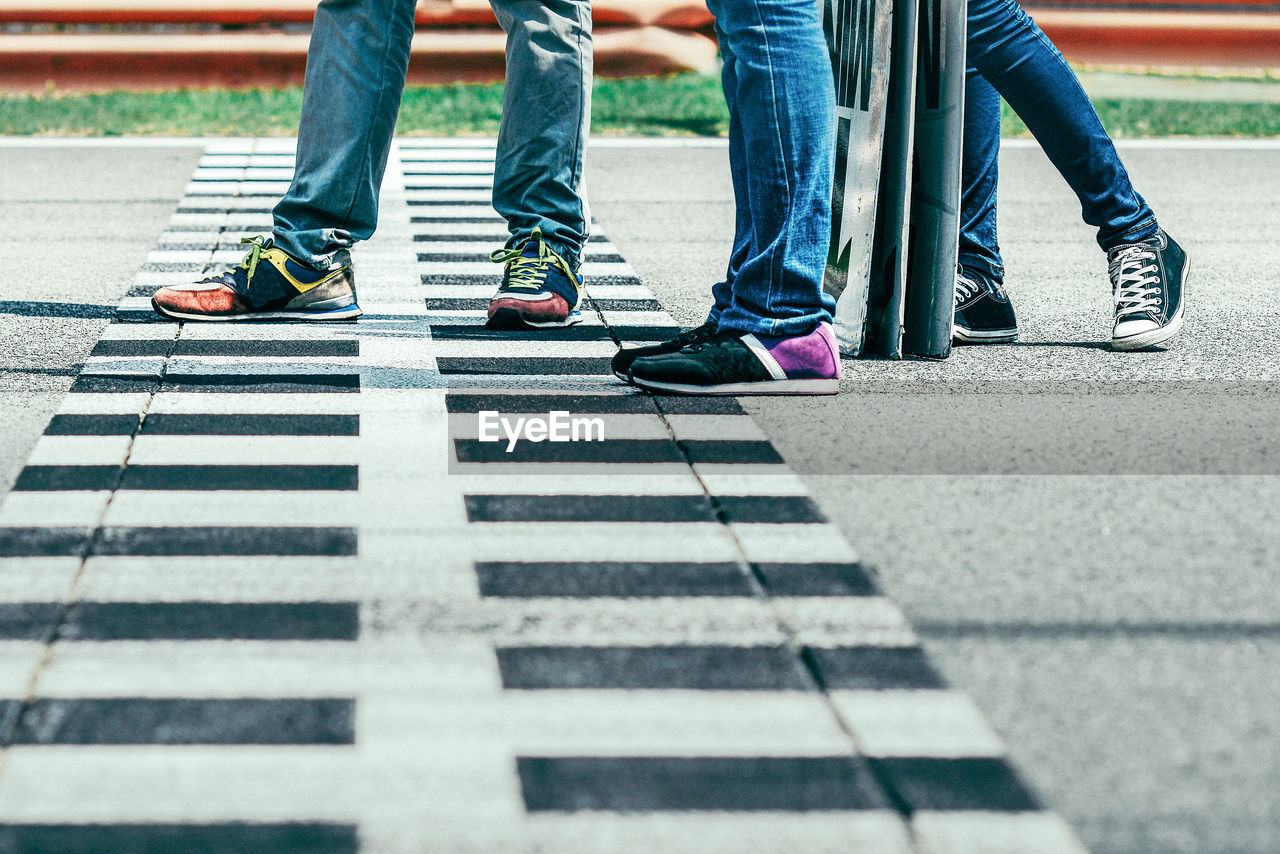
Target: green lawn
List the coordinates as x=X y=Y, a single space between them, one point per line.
x=674 y=106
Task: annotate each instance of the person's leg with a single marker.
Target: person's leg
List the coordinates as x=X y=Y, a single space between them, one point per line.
x=983 y=313
x=537 y=182
x=546 y=115
x=774 y=337
x=1014 y=56
x=782 y=94
x=979 y=253
x=1148 y=270
x=356 y=68
x=721 y=291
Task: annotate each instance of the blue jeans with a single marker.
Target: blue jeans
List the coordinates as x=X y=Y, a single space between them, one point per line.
x=781 y=96
x=356 y=68
x=1010 y=56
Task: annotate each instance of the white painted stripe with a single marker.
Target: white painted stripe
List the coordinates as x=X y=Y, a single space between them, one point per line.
x=917 y=723
x=18 y=662
x=441 y=179
x=264 y=669
x=729 y=621
x=467 y=426
x=878 y=831
x=34 y=579
x=605 y=542
x=497 y=230
x=447 y=212
x=470 y=247
x=127 y=403
x=54 y=509
x=634 y=292
x=143 y=508
x=241 y=450
x=253 y=189
x=844 y=620
x=257 y=171
x=994 y=833
x=781 y=543
x=424 y=171
x=751 y=480
x=79 y=450
x=489 y=268
x=180 y=784
x=524 y=349
x=449 y=195
x=302 y=404
x=646 y=723
x=261 y=579
x=648 y=480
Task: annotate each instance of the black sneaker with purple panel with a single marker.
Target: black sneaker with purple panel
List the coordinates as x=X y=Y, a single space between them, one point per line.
x=733 y=363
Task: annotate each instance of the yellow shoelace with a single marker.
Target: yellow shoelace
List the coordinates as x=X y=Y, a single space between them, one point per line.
x=529 y=272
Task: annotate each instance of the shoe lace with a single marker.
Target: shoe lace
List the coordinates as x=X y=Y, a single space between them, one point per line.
x=696 y=335
x=527 y=272
x=1135 y=279
x=966 y=288
x=249 y=263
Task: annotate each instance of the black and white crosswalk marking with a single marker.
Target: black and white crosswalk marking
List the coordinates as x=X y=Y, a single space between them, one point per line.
x=265 y=589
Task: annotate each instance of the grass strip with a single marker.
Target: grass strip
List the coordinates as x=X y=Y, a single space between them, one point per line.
x=683 y=105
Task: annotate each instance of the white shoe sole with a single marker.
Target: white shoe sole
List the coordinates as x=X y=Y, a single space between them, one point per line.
x=350 y=312
x=1161 y=334
x=773 y=387
x=986 y=336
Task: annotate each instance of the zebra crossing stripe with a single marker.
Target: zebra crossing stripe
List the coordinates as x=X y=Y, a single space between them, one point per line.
x=146 y=720
x=738 y=784
x=286 y=478
x=222 y=838
x=581 y=579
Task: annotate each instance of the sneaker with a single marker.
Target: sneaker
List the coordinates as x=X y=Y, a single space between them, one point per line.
x=984 y=314
x=623 y=358
x=269 y=284
x=539 y=290
x=1147 y=281
x=738 y=363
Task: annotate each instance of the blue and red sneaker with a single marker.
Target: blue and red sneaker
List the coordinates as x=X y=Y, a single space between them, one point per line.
x=539 y=289
x=269 y=284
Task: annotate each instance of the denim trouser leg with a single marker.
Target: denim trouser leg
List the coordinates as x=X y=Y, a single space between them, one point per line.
x=356 y=69
x=546 y=113
x=979 y=247
x=779 y=87
x=356 y=66
x=1013 y=55
x=722 y=291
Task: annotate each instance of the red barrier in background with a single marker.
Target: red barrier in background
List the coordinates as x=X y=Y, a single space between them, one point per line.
x=458 y=40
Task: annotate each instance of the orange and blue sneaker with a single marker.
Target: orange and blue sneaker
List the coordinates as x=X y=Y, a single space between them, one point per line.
x=269 y=284
x=539 y=289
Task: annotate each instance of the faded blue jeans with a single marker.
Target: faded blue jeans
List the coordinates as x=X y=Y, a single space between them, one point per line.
x=1010 y=56
x=356 y=68
x=781 y=96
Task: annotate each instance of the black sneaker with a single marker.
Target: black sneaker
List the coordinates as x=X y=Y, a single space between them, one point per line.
x=1147 y=281
x=984 y=314
x=623 y=358
x=735 y=363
